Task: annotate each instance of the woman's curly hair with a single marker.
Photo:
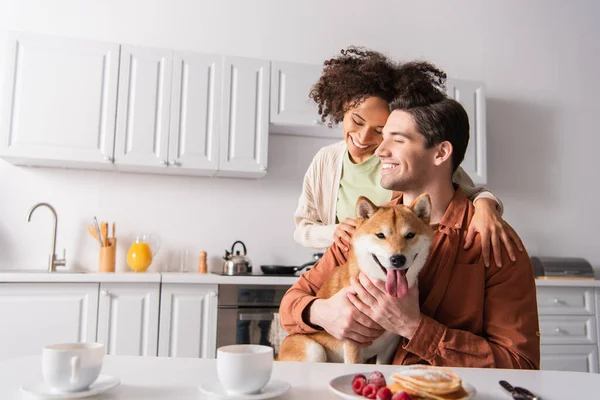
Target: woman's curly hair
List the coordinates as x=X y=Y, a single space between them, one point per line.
x=350 y=78
x=418 y=83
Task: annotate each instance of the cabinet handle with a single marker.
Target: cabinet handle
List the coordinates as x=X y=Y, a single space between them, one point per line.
x=558 y=330
x=558 y=301
x=104 y=293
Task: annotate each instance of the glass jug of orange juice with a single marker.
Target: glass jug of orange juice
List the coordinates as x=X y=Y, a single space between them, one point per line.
x=141 y=252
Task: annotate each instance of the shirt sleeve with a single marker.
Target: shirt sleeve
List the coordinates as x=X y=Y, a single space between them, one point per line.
x=304 y=291
x=510 y=337
x=473 y=192
x=310 y=230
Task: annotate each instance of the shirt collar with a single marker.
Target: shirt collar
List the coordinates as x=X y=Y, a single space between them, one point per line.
x=455 y=215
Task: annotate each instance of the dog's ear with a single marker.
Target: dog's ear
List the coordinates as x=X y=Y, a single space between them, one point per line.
x=422 y=207
x=365 y=208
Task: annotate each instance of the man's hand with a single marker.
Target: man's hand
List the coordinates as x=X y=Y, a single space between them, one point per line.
x=400 y=316
x=343 y=321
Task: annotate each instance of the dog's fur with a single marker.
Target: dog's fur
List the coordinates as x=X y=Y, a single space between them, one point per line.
x=370 y=254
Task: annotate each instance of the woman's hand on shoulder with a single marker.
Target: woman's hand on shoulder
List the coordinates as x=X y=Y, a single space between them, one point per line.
x=493 y=230
x=342 y=235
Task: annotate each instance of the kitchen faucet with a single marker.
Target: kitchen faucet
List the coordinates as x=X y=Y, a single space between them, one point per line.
x=53 y=261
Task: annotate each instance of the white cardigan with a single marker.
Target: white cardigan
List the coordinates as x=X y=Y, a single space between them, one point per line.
x=316 y=212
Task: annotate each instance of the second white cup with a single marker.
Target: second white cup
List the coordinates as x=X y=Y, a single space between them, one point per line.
x=244 y=369
x=72 y=367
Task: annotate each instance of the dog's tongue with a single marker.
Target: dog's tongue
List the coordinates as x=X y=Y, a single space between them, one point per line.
x=395 y=283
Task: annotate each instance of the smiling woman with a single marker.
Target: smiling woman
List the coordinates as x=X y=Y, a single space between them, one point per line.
x=355 y=89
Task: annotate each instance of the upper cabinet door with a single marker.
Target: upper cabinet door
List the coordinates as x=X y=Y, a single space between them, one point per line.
x=60 y=101
x=245 y=118
x=145 y=76
x=195 y=113
x=471 y=95
x=293 y=112
x=290 y=88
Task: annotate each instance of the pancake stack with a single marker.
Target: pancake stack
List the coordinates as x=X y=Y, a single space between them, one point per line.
x=426 y=382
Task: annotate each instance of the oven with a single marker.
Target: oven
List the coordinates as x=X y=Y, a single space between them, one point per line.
x=247 y=314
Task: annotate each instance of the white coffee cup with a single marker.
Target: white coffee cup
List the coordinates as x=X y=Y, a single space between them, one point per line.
x=244 y=369
x=72 y=367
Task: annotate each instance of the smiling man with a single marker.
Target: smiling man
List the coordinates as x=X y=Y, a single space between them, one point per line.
x=462 y=313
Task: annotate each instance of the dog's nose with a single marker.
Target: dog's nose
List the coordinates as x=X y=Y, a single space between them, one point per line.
x=398 y=260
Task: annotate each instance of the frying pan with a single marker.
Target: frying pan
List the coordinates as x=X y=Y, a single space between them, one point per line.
x=288 y=270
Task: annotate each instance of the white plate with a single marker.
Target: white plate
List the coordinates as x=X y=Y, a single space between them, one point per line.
x=42 y=391
x=342 y=386
x=273 y=389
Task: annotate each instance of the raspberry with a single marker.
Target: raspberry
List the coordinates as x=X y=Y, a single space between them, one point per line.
x=401 y=396
x=379 y=382
x=358 y=384
x=358 y=376
x=370 y=391
x=384 y=393
x=375 y=374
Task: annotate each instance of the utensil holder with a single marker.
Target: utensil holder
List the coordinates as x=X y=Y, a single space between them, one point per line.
x=108 y=256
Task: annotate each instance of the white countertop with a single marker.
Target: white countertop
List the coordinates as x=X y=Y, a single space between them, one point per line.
x=210 y=278
x=143 y=277
x=232 y=280
x=35 y=276
x=152 y=378
x=568 y=282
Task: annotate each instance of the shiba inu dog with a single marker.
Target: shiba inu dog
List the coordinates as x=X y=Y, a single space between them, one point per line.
x=390 y=244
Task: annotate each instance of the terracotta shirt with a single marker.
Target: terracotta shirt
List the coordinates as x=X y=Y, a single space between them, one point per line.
x=472 y=316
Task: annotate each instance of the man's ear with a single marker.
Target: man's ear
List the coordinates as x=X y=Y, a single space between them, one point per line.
x=421 y=206
x=365 y=208
x=443 y=153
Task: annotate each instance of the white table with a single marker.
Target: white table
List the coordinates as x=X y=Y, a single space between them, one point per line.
x=178 y=378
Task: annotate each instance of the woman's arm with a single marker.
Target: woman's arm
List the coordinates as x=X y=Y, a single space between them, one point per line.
x=487 y=221
x=474 y=193
x=311 y=229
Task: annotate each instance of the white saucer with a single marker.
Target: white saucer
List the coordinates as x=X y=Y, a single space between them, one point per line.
x=273 y=389
x=42 y=391
x=342 y=386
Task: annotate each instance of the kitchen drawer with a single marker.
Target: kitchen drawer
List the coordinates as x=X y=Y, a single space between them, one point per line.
x=567 y=329
x=565 y=301
x=578 y=358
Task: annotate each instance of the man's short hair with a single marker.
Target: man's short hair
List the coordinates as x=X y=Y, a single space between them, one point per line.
x=420 y=87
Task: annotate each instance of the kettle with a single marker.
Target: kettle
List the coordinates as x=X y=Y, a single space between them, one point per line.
x=236 y=264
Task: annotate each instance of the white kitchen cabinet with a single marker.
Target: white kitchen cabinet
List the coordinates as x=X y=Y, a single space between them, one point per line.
x=196 y=113
x=293 y=112
x=568 y=328
x=128 y=318
x=245 y=117
x=471 y=95
x=60 y=101
x=188 y=320
x=580 y=358
x=34 y=315
x=142 y=138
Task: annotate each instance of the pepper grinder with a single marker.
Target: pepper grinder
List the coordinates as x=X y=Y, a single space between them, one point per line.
x=202 y=268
